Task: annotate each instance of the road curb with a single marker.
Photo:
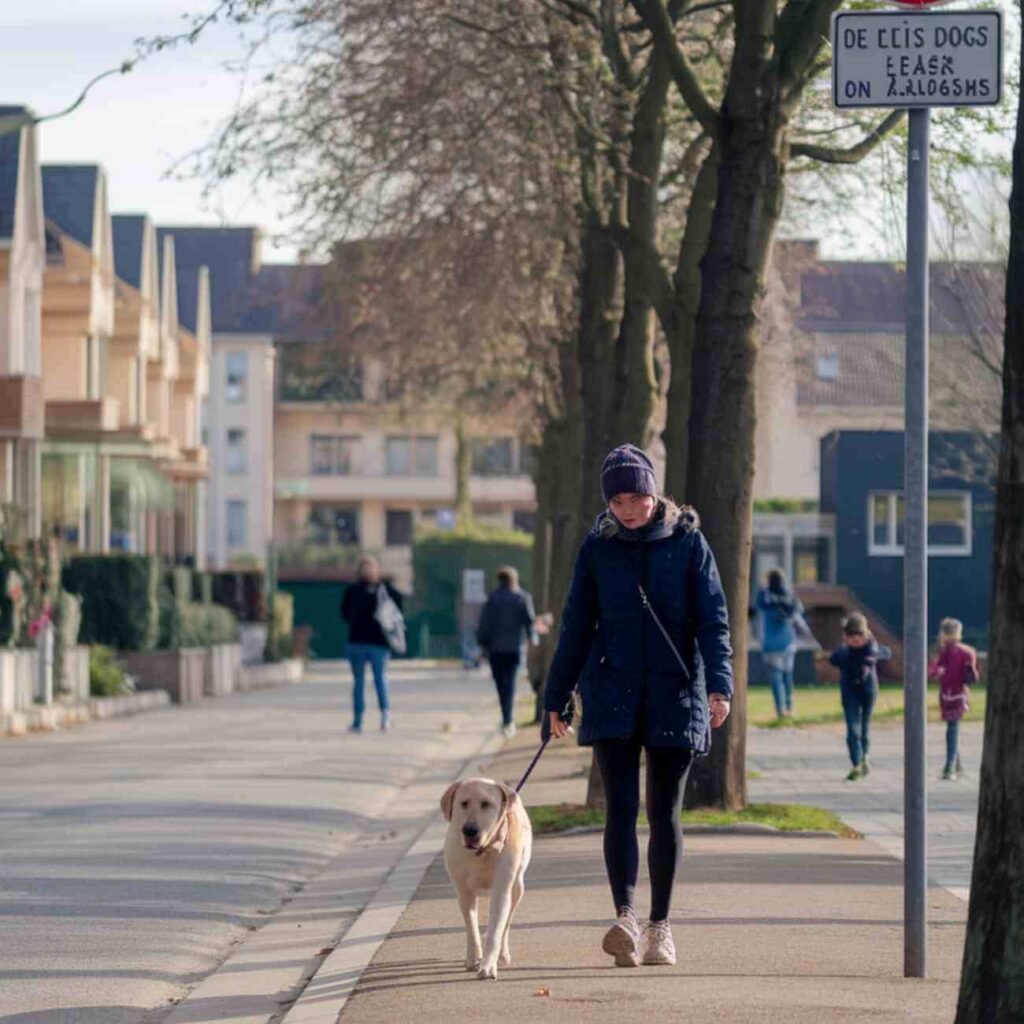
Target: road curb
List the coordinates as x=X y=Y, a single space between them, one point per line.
x=327 y=992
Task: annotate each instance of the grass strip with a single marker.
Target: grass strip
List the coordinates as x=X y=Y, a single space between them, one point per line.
x=549 y=818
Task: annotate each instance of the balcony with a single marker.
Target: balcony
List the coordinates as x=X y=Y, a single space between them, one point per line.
x=21 y=407
x=75 y=418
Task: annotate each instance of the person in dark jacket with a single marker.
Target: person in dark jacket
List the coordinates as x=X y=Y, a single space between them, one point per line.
x=506 y=621
x=645 y=557
x=366 y=640
x=857 y=660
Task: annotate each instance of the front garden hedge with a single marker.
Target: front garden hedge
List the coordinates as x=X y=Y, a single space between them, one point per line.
x=119 y=599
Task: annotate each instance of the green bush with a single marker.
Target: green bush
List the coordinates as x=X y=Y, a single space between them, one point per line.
x=282 y=628
x=105 y=676
x=438 y=561
x=119 y=599
x=201 y=625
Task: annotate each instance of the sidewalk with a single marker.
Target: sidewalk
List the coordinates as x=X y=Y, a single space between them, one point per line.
x=769 y=929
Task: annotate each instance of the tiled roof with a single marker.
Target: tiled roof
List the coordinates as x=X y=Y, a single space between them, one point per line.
x=245 y=297
x=69 y=198
x=129 y=234
x=187 y=279
x=848 y=295
x=10 y=150
x=865 y=369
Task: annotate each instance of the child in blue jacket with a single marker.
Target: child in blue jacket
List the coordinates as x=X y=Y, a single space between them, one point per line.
x=857 y=660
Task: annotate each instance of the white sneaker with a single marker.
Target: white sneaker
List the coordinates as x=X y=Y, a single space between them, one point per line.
x=385 y=722
x=509 y=730
x=658 y=945
x=622 y=940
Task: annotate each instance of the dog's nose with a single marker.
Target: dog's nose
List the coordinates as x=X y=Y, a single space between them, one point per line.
x=470 y=831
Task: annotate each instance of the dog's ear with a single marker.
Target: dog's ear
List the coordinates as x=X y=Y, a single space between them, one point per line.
x=508 y=797
x=448 y=800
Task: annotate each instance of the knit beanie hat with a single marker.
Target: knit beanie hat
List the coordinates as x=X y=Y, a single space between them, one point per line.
x=627 y=470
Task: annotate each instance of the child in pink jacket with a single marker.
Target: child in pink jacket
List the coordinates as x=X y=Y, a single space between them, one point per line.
x=956 y=669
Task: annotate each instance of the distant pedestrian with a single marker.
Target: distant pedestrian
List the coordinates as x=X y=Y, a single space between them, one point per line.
x=645 y=597
x=956 y=669
x=780 y=611
x=857 y=660
x=506 y=622
x=367 y=642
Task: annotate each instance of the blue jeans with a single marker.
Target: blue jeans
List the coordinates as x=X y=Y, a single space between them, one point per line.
x=504 y=668
x=358 y=656
x=858 y=703
x=952 y=744
x=780 y=665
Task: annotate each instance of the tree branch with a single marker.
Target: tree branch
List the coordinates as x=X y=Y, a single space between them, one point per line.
x=803 y=28
x=658 y=21
x=852 y=154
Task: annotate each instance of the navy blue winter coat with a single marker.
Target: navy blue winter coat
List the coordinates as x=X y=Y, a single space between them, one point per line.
x=611 y=646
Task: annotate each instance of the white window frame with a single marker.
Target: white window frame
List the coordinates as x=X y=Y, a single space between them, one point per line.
x=891 y=548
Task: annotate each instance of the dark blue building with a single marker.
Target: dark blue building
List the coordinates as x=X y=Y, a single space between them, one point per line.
x=862 y=486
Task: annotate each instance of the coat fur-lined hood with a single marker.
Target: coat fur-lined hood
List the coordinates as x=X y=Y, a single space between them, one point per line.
x=668 y=518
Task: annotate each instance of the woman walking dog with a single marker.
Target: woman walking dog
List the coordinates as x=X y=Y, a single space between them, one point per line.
x=645 y=598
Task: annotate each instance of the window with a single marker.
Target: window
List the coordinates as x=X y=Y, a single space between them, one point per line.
x=949 y=523
x=333 y=525
x=319 y=372
x=236 y=375
x=493 y=456
x=398 y=528
x=408 y=456
x=237 y=525
x=332 y=455
x=828 y=366
x=236 y=460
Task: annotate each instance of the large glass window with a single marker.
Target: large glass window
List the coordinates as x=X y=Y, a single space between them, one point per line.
x=236 y=460
x=408 y=456
x=237 y=523
x=236 y=376
x=949 y=523
x=493 y=456
x=333 y=455
x=398 y=528
x=332 y=524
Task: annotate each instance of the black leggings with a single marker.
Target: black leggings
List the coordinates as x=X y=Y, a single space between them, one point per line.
x=619 y=763
x=504 y=668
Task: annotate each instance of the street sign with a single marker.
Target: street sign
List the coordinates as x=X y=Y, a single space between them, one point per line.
x=919 y=59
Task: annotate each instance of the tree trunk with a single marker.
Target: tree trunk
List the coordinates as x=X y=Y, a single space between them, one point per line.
x=636 y=384
x=679 y=323
x=722 y=418
x=992 y=981
x=463 y=468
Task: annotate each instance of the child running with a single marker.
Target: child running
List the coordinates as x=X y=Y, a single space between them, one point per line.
x=956 y=668
x=857 y=660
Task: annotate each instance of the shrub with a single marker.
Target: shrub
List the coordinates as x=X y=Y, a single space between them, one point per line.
x=438 y=561
x=106 y=679
x=282 y=628
x=119 y=599
x=201 y=625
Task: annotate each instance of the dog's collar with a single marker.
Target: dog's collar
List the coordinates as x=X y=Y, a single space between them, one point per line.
x=497 y=841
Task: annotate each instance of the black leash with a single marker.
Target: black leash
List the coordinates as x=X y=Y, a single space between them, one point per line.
x=533 y=764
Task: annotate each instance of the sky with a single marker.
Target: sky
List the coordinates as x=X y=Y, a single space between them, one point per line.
x=138 y=125
x=135 y=125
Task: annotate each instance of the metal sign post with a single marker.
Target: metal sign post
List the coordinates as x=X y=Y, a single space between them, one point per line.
x=917 y=61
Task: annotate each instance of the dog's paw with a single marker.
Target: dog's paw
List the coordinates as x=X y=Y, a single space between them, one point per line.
x=505 y=959
x=488 y=971
x=472 y=965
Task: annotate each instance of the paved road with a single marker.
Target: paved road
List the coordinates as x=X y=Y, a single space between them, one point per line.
x=134 y=854
x=810 y=765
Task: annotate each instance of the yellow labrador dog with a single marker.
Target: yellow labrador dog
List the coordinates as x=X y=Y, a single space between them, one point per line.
x=487 y=850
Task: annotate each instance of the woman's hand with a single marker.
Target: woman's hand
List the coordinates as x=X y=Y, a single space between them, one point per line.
x=557 y=726
x=719 y=706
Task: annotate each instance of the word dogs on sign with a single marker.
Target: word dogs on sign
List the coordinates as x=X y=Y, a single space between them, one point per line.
x=885 y=59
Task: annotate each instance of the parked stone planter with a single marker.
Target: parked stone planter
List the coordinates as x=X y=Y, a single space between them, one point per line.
x=17 y=680
x=253 y=638
x=223 y=664
x=75 y=683
x=275 y=673
x=180 y=672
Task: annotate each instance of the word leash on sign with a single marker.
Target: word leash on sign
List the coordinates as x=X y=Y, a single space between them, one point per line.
x=892 y=59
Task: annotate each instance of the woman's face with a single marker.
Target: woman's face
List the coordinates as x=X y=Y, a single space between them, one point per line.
x=369 y=571
x=633 y=510
x=856 y=640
